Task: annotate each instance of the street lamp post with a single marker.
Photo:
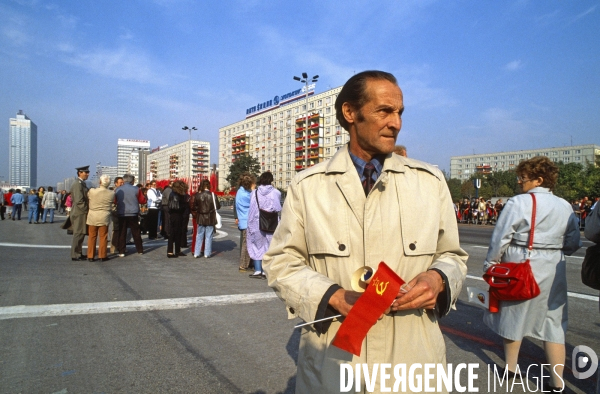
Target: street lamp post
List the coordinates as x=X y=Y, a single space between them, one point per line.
x=191 y=150
x=189 y=129
x=305 y=80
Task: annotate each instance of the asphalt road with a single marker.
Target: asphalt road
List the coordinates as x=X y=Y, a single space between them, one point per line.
x=148 y=324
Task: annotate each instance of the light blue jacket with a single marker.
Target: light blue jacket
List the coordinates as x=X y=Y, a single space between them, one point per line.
x=17 y=198
x=242 y=206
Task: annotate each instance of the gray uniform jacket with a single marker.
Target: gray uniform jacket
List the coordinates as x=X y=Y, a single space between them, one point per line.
x=556 y=234
x=80 y=208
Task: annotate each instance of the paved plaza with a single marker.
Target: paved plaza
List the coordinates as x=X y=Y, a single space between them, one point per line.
x=148 y=324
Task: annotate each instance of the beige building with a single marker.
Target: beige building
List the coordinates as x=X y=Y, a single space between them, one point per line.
x=462 y=167
x=274 y=132
x=187 y=160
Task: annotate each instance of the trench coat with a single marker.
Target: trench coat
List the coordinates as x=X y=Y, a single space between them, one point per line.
x=556 y=234
x=101 y=202
x=80 y=208
x=329 y=229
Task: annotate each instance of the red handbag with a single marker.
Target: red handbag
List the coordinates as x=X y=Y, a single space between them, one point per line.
x=514 y=281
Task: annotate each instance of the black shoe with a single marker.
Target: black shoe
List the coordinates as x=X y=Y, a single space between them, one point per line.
x=171 y=255
x=104 y=259
x=91 y=260
x=256 y=276
x=80 y=258
x=181 y=254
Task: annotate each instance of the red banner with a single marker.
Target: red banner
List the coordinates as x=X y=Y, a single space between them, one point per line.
x=379 y=295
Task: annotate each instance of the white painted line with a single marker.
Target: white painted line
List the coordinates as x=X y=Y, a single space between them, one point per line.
x=218 y=235
x=570 y=294
x=13 y=245
x=23 y=311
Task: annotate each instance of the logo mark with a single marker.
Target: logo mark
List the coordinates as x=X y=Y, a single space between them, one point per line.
x=381 y=287
x=581 y=357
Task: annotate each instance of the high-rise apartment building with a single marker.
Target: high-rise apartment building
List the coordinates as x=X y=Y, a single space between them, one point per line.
x=22 y=159
x=111 y=171
x=187 y=160
x=124 y=149
x=275 y=133
x=463 y=167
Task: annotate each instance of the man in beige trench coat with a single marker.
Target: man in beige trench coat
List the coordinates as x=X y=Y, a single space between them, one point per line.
x=337 y=218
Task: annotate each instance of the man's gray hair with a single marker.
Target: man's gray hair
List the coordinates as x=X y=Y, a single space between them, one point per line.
x=104 y=180
x=128 y=178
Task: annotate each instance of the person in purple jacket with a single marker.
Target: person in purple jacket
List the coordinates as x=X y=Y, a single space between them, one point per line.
x=258 y=241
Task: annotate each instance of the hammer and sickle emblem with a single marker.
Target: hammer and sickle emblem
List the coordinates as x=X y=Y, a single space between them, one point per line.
x=380 y=288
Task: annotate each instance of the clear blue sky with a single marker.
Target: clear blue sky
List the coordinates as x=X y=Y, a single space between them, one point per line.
x=477 y=76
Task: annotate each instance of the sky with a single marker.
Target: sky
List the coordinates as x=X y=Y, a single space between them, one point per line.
x=477 y=76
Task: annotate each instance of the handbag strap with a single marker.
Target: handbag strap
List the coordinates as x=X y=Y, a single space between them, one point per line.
x=530 y=243
x=214 y=203
x=256 y=193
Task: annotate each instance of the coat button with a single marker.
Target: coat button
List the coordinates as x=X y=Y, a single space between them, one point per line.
x=412 y=246
x=292 y=310
x=342 y=247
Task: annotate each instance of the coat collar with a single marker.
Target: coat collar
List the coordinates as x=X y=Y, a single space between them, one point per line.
x=539 y=189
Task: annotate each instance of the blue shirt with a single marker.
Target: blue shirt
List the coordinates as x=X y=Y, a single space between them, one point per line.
x=360 y=164
x=242 y=206
x=17 y=198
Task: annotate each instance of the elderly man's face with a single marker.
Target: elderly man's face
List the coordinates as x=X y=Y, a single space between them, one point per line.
x=374 y=128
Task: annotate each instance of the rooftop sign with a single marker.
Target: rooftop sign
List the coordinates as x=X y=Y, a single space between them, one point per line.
x=279 y=100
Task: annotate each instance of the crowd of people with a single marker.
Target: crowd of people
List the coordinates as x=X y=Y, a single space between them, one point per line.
x=39 y=204
x=121 y=214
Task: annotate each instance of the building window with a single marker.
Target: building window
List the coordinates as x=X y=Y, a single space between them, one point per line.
x=328 y=110
x=567 y=152
x=319 y=103
x=578 y=151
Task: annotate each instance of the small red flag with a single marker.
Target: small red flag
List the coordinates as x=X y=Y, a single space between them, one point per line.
x=379 y=295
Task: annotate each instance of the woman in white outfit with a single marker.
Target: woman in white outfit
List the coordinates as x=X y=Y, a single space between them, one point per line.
x=555 y=235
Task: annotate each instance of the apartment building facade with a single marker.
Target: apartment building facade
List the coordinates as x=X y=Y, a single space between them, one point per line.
x=275 y=132
x=463 y=167
x=187 y=160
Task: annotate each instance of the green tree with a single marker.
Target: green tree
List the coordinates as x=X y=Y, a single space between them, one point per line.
x=505 y=191
x=467 y=189
x=242 y=164
x=485 y=191
x=454 y=185
x=571 y=181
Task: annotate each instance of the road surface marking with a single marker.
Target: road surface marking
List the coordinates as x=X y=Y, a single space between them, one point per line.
x=22 y=311
x=570 y=294
x=220 y=234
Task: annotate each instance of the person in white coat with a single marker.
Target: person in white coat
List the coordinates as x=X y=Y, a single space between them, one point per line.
x=364 y=206
x=556 y=234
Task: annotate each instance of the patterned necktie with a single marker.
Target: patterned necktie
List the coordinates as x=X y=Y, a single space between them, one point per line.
x=368 y=173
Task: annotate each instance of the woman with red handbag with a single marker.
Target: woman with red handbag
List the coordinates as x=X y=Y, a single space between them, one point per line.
x=555 y=234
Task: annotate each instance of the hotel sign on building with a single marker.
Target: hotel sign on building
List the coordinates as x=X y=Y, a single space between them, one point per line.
x=275 y=133
x=279 y=100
